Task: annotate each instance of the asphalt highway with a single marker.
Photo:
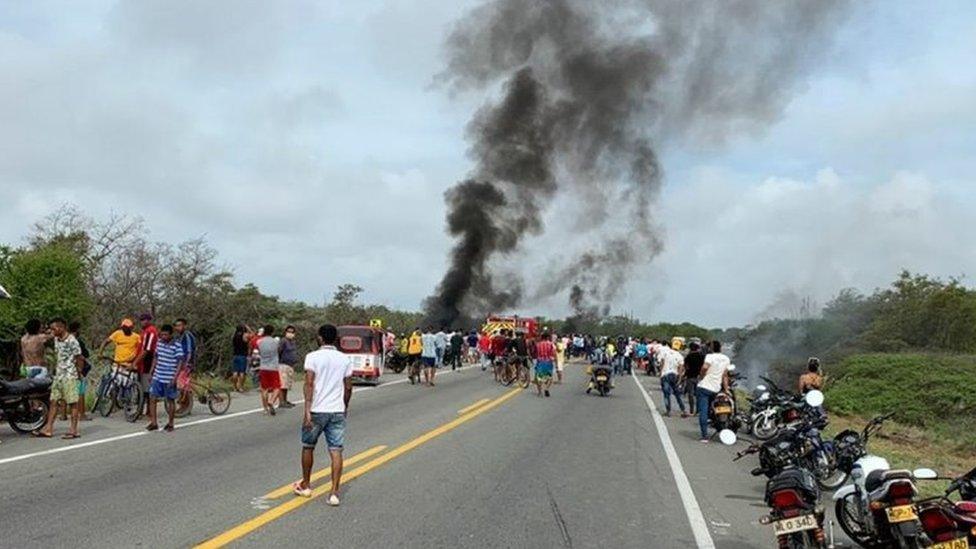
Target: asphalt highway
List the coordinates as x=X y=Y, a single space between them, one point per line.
x=467 y=463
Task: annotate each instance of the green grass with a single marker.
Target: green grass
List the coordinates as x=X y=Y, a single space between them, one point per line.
x=933 y=393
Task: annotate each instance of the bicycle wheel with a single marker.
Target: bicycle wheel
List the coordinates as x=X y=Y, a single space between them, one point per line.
x=132 y=403
x=523 y=377
x=184 y=403
x=107 y=401
x=218 y=400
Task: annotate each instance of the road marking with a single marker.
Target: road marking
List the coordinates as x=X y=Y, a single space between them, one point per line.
x=286 y=489
x=275 y=513
x=467 y=409
x=79 y=445
x=695 y=517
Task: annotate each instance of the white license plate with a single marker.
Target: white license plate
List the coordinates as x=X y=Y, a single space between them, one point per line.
x=795 y=524
x=601 y=378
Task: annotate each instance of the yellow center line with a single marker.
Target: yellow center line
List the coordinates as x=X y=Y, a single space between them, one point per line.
x=287 y=489
x=275 y=513
x=467 y=409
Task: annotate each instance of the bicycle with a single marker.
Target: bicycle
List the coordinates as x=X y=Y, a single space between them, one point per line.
x=218 y=400
x=119 y=388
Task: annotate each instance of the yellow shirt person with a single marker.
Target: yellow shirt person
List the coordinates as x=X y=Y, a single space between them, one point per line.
x=126 y=345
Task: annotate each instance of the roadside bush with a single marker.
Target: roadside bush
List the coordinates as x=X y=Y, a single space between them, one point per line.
x=930 y=391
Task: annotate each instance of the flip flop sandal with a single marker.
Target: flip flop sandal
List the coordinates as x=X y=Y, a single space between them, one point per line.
x=152 y=427
x=39 y=434
x=70 y=436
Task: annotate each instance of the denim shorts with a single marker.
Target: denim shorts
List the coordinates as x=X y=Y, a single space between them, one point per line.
x=332 y=424
x=240 y=364
x=163 y=389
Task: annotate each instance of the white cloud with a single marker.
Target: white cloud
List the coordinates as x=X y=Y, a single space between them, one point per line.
x=740 y=245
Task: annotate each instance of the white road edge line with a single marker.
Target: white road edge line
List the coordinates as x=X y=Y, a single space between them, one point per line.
x=695 y=517
x=182 y=425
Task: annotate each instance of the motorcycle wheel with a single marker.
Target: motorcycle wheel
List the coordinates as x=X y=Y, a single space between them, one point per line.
x=829 y=477
x=397 y=368
x=603 y=390
x=803 y=540
x=845 y=510
x=763 y=429
x=33 y=420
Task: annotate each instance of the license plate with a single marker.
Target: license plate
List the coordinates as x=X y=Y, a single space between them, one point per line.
x=601 y=378
x=795 y=524
x=902 y=513
x=723 y=409
x=961 y=543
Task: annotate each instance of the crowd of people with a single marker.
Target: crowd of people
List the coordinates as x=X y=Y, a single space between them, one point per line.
x=158 y=359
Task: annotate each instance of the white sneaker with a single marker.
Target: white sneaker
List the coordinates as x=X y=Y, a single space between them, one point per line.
x=333 y=500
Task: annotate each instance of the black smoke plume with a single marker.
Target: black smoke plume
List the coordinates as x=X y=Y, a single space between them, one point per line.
x=589 y=88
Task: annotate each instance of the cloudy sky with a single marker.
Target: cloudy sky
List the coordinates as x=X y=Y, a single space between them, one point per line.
x=306 y=142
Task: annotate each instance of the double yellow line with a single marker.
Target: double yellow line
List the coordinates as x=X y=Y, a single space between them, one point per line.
x=275 y=513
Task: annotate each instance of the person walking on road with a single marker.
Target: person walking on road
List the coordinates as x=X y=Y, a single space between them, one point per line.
x=239 y=365
x=714 y=378
x=328 y=389
x=65 y=385
x=561 y=346
x=287 y=360
x=415 y=348
x=268 y=370
x=670 y=362
x=456 y=342
x=429 y=355
x=690 y=370
x=169 y=363
x=440 y=343
x=545 y=356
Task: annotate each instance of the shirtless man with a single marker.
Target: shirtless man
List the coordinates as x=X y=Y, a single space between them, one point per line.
x=811 y=379
x=32 y=349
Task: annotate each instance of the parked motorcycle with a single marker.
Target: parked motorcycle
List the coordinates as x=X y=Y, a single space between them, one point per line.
x=793 y=497
x=773 y=410
x=24 y=403
x=877 y=510
x=951 y=524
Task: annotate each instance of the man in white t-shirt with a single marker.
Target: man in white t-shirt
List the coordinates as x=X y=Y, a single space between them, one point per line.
x=670 y=361
x=328 y=388
x=714 y=378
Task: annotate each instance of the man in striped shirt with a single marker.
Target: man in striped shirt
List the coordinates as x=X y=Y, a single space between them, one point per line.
x=169 y=361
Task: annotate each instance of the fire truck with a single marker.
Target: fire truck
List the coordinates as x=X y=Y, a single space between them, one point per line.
x=518 y=324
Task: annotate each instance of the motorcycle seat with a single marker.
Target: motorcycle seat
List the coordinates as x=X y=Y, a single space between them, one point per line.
x=968 y=507
x=877 y=478
x=22 y=386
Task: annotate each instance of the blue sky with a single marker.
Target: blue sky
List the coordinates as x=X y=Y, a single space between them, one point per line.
x=306 y=141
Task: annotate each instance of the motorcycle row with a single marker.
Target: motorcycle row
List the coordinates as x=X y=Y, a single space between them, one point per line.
x=879 y=508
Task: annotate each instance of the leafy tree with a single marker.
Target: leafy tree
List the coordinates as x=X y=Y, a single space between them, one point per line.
x=45 y=283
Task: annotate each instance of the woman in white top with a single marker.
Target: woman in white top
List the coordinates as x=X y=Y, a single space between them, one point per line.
x=714 y=378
